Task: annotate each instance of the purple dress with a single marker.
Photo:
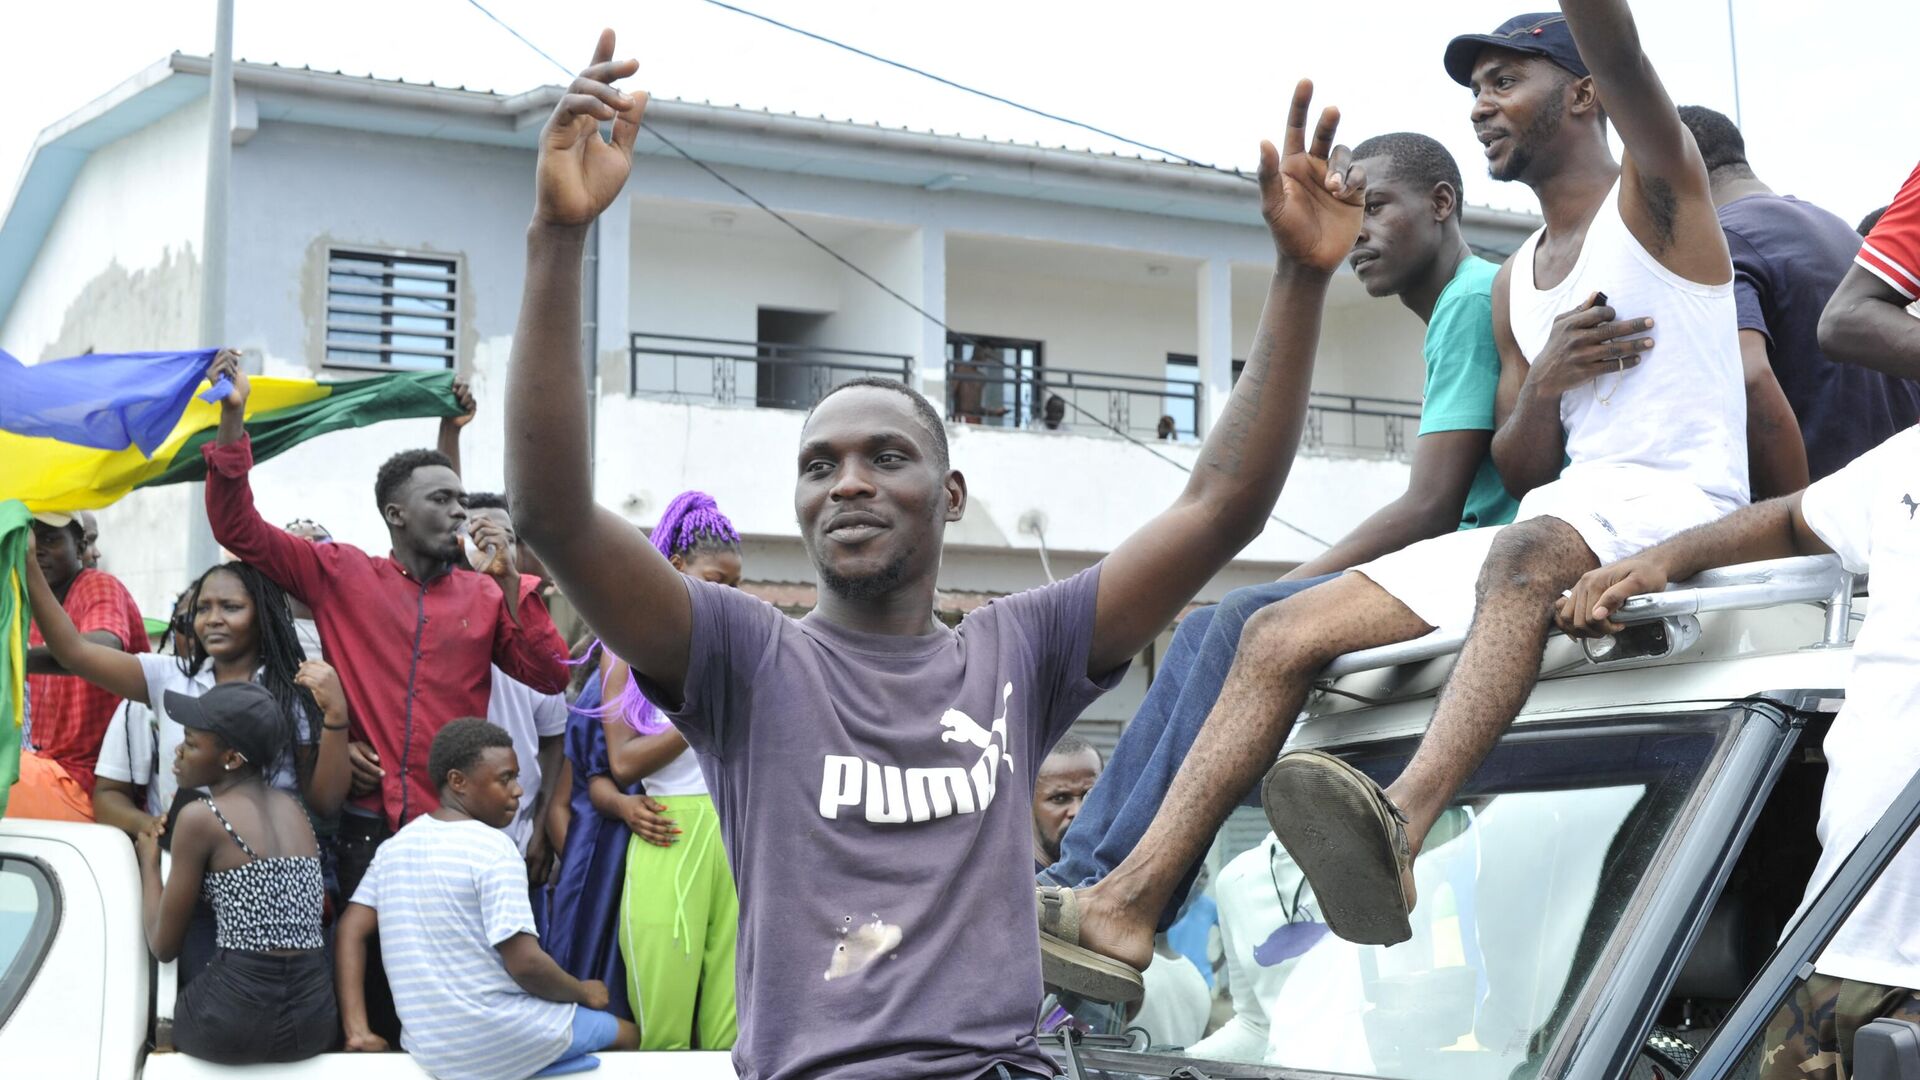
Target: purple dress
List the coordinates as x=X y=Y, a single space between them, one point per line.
x=583 y=916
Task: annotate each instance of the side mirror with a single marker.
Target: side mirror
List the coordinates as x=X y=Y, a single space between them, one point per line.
x=1888 y=1049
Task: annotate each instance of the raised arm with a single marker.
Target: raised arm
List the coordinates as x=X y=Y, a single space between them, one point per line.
x=98 y=657
x=627 y=591
x=1666 y=201
x=448 y=440
x=292 y=563
x=1314 y=214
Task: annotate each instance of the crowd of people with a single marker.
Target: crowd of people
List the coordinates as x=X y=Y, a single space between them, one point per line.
x=404 y=807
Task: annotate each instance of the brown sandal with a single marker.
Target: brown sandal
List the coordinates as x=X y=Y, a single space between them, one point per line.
x=1348 y=839
x=1068 y=965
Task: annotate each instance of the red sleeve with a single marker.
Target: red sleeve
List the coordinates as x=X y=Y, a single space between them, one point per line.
x=1892 y=249
x=293 y=564
x=530 y=650
x=99 y=602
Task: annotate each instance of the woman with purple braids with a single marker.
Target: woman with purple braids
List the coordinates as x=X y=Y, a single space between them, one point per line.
x=679 y=914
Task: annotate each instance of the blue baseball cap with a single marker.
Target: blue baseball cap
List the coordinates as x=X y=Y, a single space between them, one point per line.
x=1543 y=33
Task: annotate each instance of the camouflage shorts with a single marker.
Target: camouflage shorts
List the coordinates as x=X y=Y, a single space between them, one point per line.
x=1811 y=1036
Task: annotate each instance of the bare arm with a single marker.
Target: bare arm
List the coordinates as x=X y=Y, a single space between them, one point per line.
x=1775 y=529
x=1313 y=212
x=1867 y=323
x=1444 y=465
x=448 y=442
x=1665 y=198
x=631 y=755
x=350 y=936
x=168 y=909
x=537 y=974
x=113 y=804
x=97 y=656
x=540 y=847
x=331 y=772
x=627 y=591
x=560 y=809
x=1776 y=454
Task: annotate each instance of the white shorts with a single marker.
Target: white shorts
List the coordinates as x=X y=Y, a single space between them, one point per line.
x=1617 y=514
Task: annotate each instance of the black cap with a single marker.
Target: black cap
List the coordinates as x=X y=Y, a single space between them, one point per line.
x=243 y=714
x=1543 y=33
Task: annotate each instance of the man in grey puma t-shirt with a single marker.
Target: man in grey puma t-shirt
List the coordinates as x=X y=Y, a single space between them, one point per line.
x=872 y=767
x=872 y=790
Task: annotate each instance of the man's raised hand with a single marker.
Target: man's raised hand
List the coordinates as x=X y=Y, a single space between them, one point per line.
x=1312 y=210
x=579 y=173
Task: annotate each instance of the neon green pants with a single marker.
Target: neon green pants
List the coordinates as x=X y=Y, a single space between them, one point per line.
x=679 y=918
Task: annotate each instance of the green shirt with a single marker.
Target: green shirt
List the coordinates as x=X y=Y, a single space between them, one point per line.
x=1463 y=371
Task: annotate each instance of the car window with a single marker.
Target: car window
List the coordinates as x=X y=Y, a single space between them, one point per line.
x=29 y=914
x=1521 y=885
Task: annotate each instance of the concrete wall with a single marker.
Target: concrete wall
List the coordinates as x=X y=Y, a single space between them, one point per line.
x=120 y=268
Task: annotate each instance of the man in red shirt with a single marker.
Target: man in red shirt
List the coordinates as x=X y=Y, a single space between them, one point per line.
x=1868 y=321
x=68 y=715
x=413 y=634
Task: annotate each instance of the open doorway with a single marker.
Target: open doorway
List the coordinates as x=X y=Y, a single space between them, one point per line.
x=784 y=379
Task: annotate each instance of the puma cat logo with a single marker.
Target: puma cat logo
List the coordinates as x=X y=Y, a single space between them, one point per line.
x=1907 y=501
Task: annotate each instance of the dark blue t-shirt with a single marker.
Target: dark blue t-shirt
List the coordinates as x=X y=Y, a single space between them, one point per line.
x=1788 y=258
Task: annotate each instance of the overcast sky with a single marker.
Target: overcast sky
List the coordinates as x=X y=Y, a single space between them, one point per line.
x=1822 y=85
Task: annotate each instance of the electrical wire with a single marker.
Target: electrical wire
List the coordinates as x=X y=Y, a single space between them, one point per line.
x=850 y=265
x=944 y=81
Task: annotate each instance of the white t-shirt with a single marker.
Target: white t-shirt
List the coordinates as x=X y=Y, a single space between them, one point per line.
x=129 y=754
x=1177 y=1003
x=1865 y=513
x=448 y=893
x=681 y=776
x=527 y=715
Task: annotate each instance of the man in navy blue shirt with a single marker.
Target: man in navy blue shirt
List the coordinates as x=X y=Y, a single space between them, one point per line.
x=1788 y=257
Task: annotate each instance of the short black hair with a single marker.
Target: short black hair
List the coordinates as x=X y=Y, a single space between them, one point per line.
x=1873 y=218
x=488 y=500
x=1418 y=159
x=1721 y=144
x=1074 y=744
x=922 y=409
x=399 y=469
x=459 y=746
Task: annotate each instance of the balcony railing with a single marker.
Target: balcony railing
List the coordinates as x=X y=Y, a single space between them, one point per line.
x=771 y=375
x=1003 y=395
x=1361 y=426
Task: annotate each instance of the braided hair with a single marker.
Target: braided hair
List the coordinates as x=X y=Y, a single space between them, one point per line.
x=690 y=526
x=276 y=646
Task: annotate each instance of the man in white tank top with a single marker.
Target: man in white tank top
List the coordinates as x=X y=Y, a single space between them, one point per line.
x=1642 y=397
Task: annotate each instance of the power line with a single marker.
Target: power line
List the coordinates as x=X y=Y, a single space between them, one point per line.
x=944 y=81
x=844 y=261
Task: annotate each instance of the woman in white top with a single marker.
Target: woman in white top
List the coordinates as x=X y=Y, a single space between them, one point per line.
x=237 y=628
x=679 y=914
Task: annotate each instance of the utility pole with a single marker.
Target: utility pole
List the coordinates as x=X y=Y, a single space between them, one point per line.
x=1733 y=47
x=202 y=550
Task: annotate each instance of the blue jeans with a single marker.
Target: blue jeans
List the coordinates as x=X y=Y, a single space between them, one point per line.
x=1151 y=750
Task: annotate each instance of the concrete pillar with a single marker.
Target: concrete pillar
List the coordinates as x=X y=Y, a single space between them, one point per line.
x=1214 y=294
x=930 y=361
x=614 y=294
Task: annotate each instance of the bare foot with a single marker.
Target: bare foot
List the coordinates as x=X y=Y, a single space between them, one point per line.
x=1107 y=928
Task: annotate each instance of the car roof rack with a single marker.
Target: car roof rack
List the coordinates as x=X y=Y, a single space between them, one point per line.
x=1803 y=579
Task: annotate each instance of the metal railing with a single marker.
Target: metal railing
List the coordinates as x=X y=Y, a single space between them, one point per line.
x=1346 y=424
x=771 y=375
x=1003 y=395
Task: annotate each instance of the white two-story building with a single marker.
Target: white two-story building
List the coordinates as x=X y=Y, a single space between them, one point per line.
x=377 y=224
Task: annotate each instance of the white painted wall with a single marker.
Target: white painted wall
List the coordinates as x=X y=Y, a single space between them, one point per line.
x=135 y=206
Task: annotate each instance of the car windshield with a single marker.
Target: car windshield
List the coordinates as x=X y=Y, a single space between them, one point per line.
x=1521 y=885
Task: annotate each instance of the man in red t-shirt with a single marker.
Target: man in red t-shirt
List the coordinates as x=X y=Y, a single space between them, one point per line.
x=68 y=715
x=1868 y=320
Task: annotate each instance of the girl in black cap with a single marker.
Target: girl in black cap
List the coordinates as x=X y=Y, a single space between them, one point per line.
x=249 y=848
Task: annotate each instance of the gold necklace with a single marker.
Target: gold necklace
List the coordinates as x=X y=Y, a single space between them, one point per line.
x=1619 y=374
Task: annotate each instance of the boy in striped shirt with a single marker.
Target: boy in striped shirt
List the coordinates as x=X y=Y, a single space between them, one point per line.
x=478 y=998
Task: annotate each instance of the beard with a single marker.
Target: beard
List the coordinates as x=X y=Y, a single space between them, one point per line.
x=867 y=586
x=1541 y=130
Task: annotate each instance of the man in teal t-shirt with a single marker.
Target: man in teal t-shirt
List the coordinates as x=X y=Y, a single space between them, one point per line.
x=1410 y=246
